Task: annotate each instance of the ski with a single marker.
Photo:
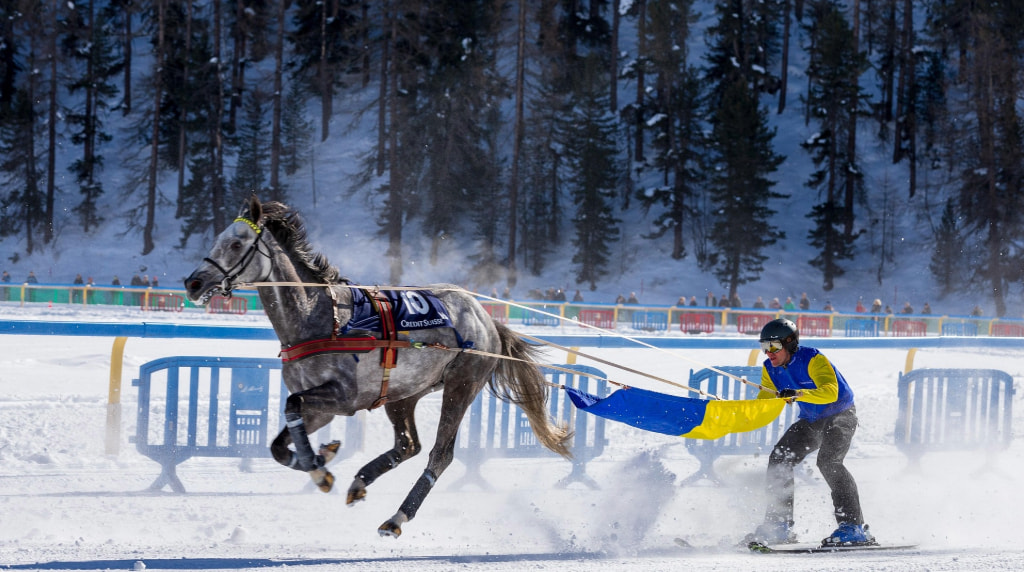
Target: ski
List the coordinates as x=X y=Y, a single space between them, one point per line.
x=760 y=548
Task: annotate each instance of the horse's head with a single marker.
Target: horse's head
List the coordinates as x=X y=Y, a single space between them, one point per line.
x=239 y=254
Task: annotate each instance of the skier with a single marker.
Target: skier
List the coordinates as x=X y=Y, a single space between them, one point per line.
x=827 y=420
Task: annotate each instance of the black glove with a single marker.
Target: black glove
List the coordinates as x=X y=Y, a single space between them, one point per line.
x=786 y=393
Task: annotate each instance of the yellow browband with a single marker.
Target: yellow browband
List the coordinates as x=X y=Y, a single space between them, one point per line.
x=250 y=223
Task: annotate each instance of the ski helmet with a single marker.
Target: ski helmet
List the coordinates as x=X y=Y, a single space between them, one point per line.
x=784 y=331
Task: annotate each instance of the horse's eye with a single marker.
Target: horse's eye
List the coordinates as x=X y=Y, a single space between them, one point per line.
x=236 y=245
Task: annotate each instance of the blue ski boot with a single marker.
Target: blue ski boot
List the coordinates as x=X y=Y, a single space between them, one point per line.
x=850 y=535
x=770 y=533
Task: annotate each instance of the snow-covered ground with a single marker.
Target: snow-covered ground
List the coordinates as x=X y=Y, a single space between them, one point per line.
x=67 y=505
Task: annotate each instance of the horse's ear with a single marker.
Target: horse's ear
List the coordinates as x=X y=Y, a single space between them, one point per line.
x=255 y=208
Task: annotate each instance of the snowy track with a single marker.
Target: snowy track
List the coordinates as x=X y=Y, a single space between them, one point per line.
x=65 y=505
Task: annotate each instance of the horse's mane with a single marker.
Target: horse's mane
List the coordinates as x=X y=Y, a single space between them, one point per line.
x=289 y=229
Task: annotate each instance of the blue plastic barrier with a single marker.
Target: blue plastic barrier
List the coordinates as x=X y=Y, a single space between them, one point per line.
x=959 y=329
x=749 y=443
x=650 y=321
x=862 y=327
x=953 y=409
x=496 y=429
x=211 y=407
x=538 y=319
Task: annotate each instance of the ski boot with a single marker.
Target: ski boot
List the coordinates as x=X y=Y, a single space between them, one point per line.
x=849 y=534
x=770 y=533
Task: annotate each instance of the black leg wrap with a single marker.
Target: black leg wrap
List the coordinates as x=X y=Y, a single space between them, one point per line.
x=378 y=467
x=418 y=493
x=303 y=459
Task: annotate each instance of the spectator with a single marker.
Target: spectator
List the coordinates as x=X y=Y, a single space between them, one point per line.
x=860 y=309
x=506 y=294
x=789 y=305
x=549 y=294
x=735 y=302
x=145 y=280
x=681 y=301
x=805 y=303
x=136 y=281
x=577 y=297
x=723 y=302
x=775 y=305
x=78 y=279
x=116 y=281
x=494 y=292
x=876 y=306
x=620 y=299
x=759 y=303
x=31 y=279
x=976 y=311
x=710 y=300
x=693 y=300
x=5 y=277
x=559 y=295
x=907 y=308
x=888 y=309
x=828 y=306
x=927 y=309
x=632 y=298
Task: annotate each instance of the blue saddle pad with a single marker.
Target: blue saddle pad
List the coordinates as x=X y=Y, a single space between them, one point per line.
x=412 y=309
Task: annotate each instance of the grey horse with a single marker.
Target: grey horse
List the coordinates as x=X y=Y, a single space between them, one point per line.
x=331 y=370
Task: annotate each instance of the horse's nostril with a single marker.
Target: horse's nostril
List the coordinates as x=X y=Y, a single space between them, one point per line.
x=194 y=285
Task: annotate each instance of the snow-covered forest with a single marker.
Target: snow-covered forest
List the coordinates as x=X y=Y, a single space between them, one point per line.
x=531 y=137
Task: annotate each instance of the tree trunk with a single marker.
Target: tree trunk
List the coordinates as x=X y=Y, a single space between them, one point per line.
x=517 y=146
x=154 y=145
x=183 y=116
x=638 y=143
x=784 y=64
x=275 y=129
x=51 y=127
x=217 y=177
x=126 y=48
x=851 y=136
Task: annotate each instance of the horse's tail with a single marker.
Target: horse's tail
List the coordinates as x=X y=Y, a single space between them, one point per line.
x=520 y=381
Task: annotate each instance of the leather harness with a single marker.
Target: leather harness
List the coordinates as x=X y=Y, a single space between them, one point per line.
x=388 y=342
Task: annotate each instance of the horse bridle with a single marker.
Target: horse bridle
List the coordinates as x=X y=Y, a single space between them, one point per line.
x=227 y=284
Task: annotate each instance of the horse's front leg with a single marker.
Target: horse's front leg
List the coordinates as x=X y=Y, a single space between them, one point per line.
x=279 y=447
x=407 y=445
x=316 y=405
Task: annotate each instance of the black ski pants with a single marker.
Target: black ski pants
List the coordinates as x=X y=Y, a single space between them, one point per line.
x=832 y=435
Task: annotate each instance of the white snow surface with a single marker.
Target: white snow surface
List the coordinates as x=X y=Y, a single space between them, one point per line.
x=67 y=505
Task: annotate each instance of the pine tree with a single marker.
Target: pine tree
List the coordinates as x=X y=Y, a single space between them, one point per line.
x=21 y=198
x=296 y=131
x=593 y=168
x=253 y=151
x=740 y=187
x=834 y=68
x=91 y=46
x=678 y=133
x=459 y=91
x=948 y=254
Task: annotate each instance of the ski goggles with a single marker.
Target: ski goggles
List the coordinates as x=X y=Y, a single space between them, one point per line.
x=771 y=346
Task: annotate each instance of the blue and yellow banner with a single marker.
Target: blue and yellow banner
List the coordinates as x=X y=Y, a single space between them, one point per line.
x=679 y=416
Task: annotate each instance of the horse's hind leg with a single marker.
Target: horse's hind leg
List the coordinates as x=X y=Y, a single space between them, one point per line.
x=457 y=398
x=407 y=445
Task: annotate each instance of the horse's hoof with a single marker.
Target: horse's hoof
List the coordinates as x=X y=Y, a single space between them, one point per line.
x=354 y=496
x=389 y=529
x=329 y=451
x=323 y=479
